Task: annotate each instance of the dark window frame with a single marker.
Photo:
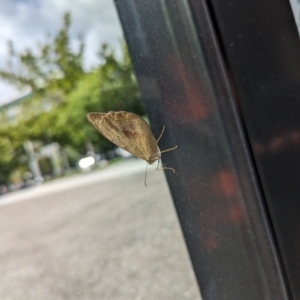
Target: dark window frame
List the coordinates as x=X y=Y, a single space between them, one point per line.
x=206 y=70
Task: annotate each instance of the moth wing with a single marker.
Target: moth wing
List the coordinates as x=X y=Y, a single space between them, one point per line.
x=126 y=130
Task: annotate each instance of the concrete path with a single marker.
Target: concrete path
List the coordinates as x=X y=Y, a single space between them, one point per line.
x=101 y=235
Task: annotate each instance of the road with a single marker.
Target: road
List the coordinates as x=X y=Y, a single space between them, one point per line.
x=101 y=235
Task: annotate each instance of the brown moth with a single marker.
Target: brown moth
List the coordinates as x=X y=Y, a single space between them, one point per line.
x=130 y=132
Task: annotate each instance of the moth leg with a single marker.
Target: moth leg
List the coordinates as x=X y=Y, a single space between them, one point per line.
x=169 y=149
x=161 y=134
x=165 y=168
x=157 y=164
x=145 y=182
x=160 y=138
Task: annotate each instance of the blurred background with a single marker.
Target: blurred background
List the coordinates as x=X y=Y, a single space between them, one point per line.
x=76 y=220
x=60 y=63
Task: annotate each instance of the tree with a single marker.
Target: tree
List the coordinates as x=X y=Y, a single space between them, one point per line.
x=57 y=73
x=11 y=145
x=119 y=89
x=54 y=66
x=111 y=86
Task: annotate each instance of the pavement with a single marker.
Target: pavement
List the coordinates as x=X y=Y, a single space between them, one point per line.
x=101 y=235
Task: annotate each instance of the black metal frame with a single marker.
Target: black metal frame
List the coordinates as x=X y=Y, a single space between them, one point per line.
x=261 y=44
x=215 y=76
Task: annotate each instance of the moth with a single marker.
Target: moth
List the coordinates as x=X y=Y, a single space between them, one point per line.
x=130 y=132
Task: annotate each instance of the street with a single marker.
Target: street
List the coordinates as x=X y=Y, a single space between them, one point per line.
x=100 y=235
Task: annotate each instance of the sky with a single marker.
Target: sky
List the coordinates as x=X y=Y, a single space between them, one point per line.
x=296 y=11
x=27 y=22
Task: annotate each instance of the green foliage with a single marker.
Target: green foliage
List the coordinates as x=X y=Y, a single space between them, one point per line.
x=110 y=87
x=11 y=145
x=56 y=75
x=118 y=89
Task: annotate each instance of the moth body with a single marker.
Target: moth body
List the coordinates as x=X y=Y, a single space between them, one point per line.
x=130 y=132
x=154 y=158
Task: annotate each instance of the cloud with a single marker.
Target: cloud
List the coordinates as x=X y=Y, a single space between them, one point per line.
x=28 y=22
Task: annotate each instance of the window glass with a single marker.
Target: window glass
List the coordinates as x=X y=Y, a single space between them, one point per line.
x=76 y=220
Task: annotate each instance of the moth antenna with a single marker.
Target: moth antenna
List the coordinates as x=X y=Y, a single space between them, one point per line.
x=146 y=175
x=161 y=134
x=169 y=149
